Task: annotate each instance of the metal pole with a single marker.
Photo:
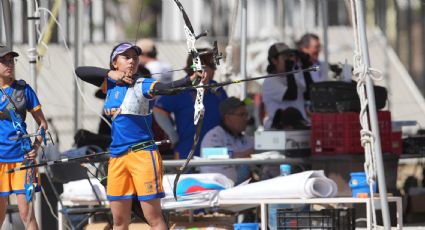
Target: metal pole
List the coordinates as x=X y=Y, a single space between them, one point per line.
x=423 y=46
x=78 y=47
x=398 y=27
x=280 y=14
x=373 y=115
x=302 y=27
x=104 y=21
x=7 y=23
x=32 y=51
x=32 y=57
x=243 y=46
x=409 y=18
x=325 y=37
x=385 y=72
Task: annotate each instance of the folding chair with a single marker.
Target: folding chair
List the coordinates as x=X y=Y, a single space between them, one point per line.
x=64 y=173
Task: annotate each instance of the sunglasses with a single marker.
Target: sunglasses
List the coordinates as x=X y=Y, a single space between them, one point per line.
x=8 y=61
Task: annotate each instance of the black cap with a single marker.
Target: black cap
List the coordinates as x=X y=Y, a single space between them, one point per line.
x=277 y=49
x=229 y=105
x=4 y=50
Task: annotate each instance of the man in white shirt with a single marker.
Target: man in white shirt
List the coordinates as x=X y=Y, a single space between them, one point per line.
x=230 y=134
x=160 y=70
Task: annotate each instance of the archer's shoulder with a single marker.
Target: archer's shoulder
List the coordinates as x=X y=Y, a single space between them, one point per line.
x=21 y=84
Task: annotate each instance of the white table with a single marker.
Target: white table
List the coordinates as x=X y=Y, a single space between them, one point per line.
x=339 y=200
x=264 y=209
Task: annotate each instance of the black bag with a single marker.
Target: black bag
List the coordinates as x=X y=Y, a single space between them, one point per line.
x=336 y=96
x=414 y=145
x=84 y=137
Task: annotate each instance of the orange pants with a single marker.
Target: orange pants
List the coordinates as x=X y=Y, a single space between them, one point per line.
x=14 y=182
x=135 y=174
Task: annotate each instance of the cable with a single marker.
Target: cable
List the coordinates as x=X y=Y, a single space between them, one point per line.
x=140 y=20
x=51 y=208
x=60 y=29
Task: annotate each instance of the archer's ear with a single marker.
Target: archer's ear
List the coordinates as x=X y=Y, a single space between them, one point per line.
x=114 y=64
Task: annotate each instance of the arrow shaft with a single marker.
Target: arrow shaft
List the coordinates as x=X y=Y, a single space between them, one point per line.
x=221 y=84
x=65 y=160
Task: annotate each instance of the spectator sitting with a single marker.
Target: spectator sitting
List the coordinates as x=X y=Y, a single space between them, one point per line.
x=234 y=119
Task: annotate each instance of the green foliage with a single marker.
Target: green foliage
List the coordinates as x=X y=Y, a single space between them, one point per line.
x=144 y=14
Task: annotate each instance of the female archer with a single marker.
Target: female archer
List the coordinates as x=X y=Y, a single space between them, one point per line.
x=16 y=98
x=135 y=166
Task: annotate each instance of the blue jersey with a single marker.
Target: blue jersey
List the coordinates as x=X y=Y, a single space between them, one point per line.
x=10 y=151
x=127 y=129
x=182 y=105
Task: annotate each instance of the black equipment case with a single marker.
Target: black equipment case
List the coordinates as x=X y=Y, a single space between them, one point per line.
x=337 y=96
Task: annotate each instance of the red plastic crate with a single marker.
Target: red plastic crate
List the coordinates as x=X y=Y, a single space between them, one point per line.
x=339 y=133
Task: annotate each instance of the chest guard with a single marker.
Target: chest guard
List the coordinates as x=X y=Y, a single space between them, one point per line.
x=134 y=102
x=18 y=101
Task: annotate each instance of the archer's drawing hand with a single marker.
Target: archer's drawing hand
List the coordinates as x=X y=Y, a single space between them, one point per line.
x=120 y=77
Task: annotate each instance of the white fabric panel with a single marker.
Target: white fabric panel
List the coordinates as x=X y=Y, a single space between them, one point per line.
x=307 y=184
x=81 y=190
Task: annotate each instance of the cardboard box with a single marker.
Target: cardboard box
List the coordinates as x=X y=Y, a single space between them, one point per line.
x=139 y=226
x=210 y=222
x=180 y=222
x=97 y=226
x=201 y=225
x=416 y=200
x=104 y=226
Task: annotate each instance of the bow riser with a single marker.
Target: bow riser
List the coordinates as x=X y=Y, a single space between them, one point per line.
x=199 y=105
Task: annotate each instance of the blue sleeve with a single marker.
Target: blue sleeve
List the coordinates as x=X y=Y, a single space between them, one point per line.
x=223 y=94
x=167 y=103
x=220 y=93
x=147 y=85
x=110 y=83
x=31 y=98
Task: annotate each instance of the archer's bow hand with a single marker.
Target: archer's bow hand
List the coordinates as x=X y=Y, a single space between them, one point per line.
x=32 y=155
x=197 y=77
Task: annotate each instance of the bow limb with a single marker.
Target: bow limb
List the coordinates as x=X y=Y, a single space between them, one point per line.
x=198 y=120
x=182 y=169
x=185 y=17
x=199 y=106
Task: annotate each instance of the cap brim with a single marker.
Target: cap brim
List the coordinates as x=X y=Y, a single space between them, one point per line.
x=14 y=54
x=134 y=47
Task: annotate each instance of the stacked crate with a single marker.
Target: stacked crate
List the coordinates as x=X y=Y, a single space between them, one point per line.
x=339 y=133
